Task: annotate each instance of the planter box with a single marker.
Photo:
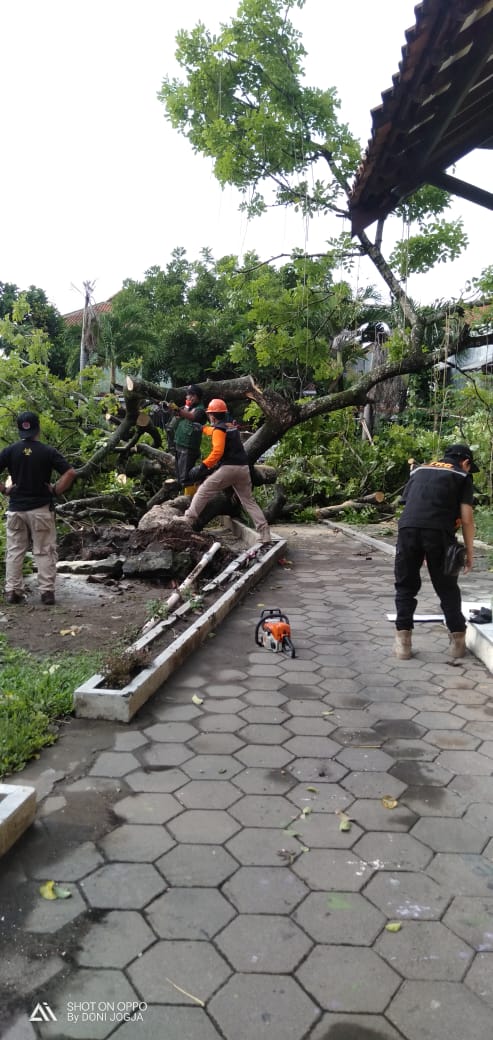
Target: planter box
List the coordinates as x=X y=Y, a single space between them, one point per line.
x=93 y=700
x=17 y=811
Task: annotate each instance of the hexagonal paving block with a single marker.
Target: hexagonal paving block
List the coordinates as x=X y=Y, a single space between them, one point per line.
x=193 y=966
x=371 y=814
x=322 y=831
x=433 y=801
x=407 y=895
x=264 y=734
x=352 y=1027
x=91 y=988
x=463 y=874
x=480 y=977
x=263 y=847
x=257 y=890
x=304 y=726
x=339 y=917
x=480 y=815
x=263 y=943
x=328 y=797
x=175 y=732
x=453 y=740
x=165 y=755
x=225 y=705
x=264 y=781
x=312 y=747
x=264 y=716
x=48 y=916
x=269 y=1007
x=328 y=970
x=203 y=826
x=219 y=723
x=438 y=720
x=449 y=835
x=122 y=886
x=114 y=763
x=189 y=913
x=264 y=756
x=393 y=851
x=373 y=785
x=425 y=950
x=411 y=750
x=208 y=794
x=118 y=938
x=266 y=694
x=72 y=866
x=174 y=712
x=439 y=1011
x=216 y=743
x=365 y=759
x=468 y=762
x=164 y=1023
x=137 y=843
x=212 y=767
x=156 y=779
x=264 y=811
x=313 y=770
x=333 y=870
x=422 y=774
x=148 y=808
x=205 y=865
x=472 y=919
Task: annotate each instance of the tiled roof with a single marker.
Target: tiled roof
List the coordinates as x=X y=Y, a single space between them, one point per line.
x=75 y=317
x=439 y=108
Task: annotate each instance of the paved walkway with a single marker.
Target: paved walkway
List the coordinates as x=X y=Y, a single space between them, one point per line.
x=210 y=876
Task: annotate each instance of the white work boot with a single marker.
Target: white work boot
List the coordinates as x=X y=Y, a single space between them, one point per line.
x=402 y=644
x=457 y=644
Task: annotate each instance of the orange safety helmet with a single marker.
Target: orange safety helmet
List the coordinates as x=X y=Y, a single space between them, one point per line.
x=217 y=405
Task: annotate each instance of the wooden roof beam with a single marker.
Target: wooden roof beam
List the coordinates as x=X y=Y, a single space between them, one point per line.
x=461 y=188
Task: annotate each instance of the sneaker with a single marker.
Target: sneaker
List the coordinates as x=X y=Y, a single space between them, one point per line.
x=14 y=597
x=48 y=598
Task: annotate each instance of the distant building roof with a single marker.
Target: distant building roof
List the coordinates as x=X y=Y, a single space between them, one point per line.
x=439 y=108
x=75 y=317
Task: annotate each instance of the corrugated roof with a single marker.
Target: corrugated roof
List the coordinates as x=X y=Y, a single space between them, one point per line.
x=439 y=108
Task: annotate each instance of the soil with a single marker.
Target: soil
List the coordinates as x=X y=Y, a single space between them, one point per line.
x=97 y=612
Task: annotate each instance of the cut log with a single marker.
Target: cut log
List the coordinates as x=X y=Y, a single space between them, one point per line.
x=324 y=512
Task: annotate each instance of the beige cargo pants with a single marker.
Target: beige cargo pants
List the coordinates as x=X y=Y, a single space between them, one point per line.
x=36 y=527
x=237 y=477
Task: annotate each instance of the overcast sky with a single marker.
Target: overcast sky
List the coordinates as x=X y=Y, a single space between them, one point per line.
x=97 y=186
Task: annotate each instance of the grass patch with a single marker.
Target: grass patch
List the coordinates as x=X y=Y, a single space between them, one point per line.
x=34 y=696
x=483 y=518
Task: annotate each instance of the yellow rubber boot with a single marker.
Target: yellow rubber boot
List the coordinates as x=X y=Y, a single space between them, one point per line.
x=190 y=489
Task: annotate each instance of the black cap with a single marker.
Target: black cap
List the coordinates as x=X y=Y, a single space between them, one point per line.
x=193 y=389
x=461 y=451
x=27 y=424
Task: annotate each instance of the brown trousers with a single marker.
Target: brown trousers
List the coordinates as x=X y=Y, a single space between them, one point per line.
x=36 y=527
x=237 y=477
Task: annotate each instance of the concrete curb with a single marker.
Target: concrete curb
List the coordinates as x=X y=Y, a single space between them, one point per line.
x=91 y=700
x=17 y=811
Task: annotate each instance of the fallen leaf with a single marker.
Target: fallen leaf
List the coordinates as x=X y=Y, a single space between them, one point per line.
x=314 y=789
x=304 y=848
x=197 y=700
x=61 y=893
x=306 y=811
x=388 y=802
x=344 y=821
x=331 y=712
x=72 y=631
x=46 y=890
x=393 y=926
x=185 y=992
x=338 y=901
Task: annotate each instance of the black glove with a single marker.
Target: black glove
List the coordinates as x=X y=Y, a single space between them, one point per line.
x=198 y=473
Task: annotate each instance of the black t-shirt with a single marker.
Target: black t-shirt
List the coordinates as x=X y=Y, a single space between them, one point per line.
x=30 y=464
x=433 y=496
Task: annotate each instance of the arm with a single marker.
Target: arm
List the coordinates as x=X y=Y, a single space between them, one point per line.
x=64 y=482
x=218 y=445
x=467 y=520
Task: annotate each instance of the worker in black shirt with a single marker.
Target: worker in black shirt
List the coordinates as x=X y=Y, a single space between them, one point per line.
x=30 y=515
x=437 y=496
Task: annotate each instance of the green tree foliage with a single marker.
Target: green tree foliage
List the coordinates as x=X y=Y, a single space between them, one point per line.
x=37 y=313
x=245 y=104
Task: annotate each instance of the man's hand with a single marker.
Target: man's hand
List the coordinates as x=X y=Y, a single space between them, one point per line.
x=469 y=564
x=198 y=473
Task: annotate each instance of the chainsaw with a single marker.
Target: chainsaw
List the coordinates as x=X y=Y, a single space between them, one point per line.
x=274 y=632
